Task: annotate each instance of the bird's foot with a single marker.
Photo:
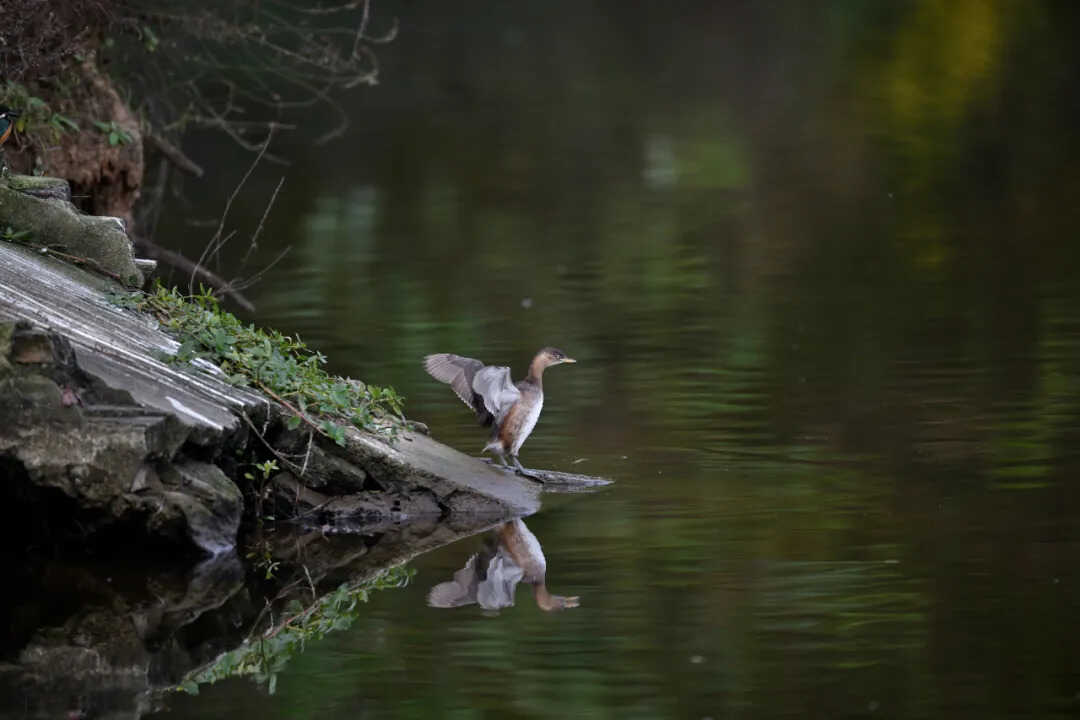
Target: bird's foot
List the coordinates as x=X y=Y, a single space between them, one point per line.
x=499 y=466
x=525 y=473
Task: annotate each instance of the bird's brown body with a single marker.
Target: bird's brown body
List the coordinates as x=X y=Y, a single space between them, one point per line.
x=520 y=419
x=511 y=409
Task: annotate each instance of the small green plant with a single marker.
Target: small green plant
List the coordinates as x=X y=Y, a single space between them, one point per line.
x=259 y=482
x=150 y=39
x=10 y=234
x=37 y=119
x=62 y=123
x=266 y=469
x=123 y=299
x=41 y=124
x=263 y=559
x=280 y=365
x=116 y=134
x=32 y=105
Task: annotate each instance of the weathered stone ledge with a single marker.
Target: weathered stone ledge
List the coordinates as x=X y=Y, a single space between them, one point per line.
x=41 y=210
x=94 y=424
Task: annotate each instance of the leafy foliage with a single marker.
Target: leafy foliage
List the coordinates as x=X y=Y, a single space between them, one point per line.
x=10 y=234
x=37 y=118
x=116 y=134
x=263 y=657
x=276 y=363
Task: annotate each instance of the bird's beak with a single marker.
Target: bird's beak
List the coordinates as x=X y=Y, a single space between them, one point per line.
x=12 y=114
x=566 y=360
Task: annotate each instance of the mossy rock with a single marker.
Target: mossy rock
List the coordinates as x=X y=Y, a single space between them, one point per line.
x=41 y=187
x=98 y=243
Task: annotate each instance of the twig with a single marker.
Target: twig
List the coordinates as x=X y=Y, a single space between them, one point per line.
x=307 y=454
x=210 y=246
x=175 y=155
x=245 y=284
x=177 y=260
x=269 y=447
x=228 y=127
x=294 y=410
x=313 y=509
x=258 y=230
x=76 y=260
x=217 y=120
x=303 y=613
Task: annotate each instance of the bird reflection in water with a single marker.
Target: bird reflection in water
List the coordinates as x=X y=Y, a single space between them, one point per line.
x=511 y=554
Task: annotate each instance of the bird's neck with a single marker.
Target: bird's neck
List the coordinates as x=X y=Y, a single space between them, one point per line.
x=536 y=371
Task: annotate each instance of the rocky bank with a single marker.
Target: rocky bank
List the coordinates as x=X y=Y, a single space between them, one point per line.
x=100 y=435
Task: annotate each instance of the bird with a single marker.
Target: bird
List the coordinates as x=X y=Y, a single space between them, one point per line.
x=7 y=123
x=510 y=409
x=511 y=554
x=7 y=126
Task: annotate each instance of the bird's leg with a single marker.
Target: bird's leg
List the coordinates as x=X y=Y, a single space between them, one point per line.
x=522 y=471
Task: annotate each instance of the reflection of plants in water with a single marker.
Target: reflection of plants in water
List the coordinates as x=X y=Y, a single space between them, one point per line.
x=264 y=656
x=262 y=557
x=260 y=553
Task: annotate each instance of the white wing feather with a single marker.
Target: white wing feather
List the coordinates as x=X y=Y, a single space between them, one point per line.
x=494 y=386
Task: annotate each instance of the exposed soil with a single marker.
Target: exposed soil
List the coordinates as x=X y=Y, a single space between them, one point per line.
x=106 y=179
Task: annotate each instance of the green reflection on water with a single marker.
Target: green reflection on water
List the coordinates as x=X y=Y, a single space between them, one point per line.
x=816 y=262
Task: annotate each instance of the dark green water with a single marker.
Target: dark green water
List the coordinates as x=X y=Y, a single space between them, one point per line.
x=818 y=265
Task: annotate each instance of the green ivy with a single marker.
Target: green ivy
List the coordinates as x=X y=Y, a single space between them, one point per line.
x=116 y=134
x=278 y=364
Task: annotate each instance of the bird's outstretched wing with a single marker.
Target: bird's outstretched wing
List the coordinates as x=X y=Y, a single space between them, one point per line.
x=498 y=392
x=455 y=370
x=486 y=389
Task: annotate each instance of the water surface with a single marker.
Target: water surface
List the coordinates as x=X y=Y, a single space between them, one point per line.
x=817 y=263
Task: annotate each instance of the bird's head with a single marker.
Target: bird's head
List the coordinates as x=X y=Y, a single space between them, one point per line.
x=553 y=356
x=7 y=113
